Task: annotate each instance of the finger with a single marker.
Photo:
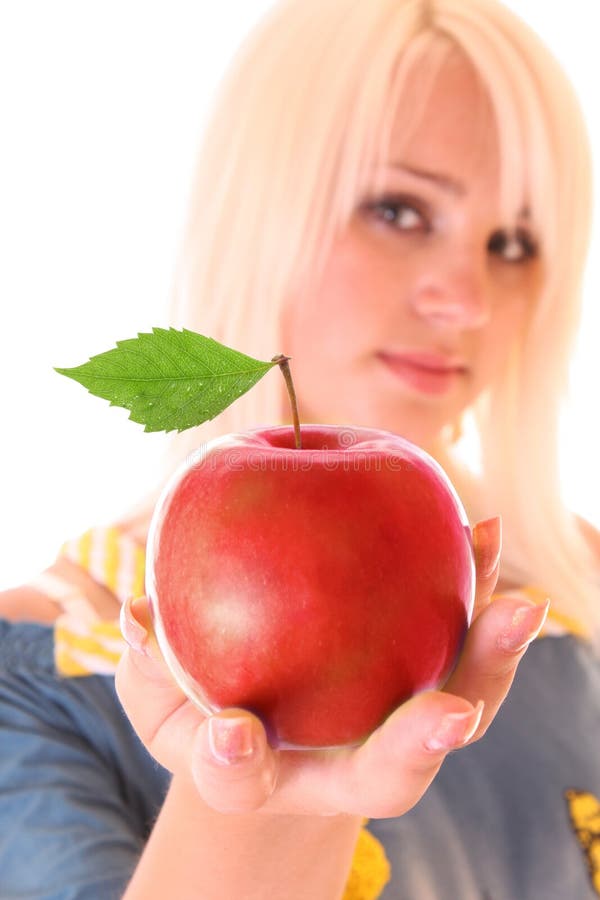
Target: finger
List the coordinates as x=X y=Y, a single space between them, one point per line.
x=176 y=732
x=389 y=773
x=494 y=646
x=487 y=545
x=394 y=768
x=233 y=766
x=144 y=685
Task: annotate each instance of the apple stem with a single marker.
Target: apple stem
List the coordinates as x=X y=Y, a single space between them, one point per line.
x=283 y=363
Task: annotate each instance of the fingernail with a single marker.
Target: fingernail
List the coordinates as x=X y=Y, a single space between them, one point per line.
x=134 y=633
x=487 y=543
x=525 y=626
x=455 y=729
x=230 y=738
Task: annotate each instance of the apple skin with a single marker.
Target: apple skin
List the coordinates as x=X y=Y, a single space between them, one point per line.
x=319 y=588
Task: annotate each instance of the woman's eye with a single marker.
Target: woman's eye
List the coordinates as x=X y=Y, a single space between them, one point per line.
x=399 y=213
x=513 y=246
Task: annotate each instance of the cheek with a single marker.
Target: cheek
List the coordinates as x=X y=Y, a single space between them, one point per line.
x=506 y=328
x=341 y=307
x=359 y=289
x=341 y=297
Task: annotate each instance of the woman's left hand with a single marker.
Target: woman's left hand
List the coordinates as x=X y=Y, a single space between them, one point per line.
x=234 y=768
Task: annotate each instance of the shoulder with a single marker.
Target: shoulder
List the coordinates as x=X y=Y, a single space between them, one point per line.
x=26 y=604
x=44 y=598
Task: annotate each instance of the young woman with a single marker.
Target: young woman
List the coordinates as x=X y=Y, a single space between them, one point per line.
x=395 y=194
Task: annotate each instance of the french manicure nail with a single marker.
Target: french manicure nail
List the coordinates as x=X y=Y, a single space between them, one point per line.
x=133 y=631
x=230 y=738
x=487 y=540
x=526 y=624
x=455 y=729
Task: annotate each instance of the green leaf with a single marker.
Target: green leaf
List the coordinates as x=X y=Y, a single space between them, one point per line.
x=170 y=380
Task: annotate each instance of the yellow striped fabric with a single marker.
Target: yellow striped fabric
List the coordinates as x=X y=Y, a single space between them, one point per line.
x=94 y=649
x=112 y=558
x=84 y=644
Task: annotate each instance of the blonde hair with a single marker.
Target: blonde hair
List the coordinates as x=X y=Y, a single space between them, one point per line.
x=296 y=126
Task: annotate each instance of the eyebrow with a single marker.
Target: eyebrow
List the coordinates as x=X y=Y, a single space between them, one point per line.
x=443 y=181
x=447 y=183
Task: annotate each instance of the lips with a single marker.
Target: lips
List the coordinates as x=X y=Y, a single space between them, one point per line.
x=425 y=371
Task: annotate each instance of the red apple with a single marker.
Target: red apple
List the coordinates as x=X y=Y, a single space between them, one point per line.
x=319 y=588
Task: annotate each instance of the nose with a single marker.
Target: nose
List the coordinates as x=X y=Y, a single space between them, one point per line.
x=454 y=294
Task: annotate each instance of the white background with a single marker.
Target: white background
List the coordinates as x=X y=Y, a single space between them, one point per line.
x=101 y=105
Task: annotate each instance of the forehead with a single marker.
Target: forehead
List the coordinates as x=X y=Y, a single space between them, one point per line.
x=444 y=122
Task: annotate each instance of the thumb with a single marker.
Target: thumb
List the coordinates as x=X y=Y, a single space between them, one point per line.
x=233 y=766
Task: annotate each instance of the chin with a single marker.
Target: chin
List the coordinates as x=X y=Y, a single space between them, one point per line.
x=419 y=424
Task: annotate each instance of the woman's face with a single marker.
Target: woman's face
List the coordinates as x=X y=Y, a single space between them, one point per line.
x=426 y=289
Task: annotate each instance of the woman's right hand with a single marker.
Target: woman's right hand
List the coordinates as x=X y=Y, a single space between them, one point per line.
x=234 y=768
